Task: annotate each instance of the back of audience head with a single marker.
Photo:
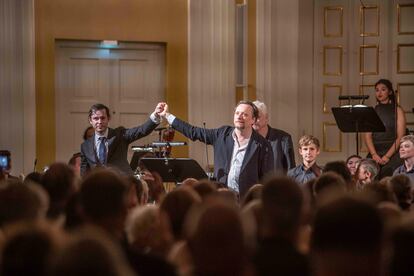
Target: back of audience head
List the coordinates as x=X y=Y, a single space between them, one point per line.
x=190 y=182
x=282 y=202
x=216 y=237
x=378 y=192
x=176 y=205
x=328 y=185
x=59 y=182
x=75 y=162
x=402 y=188
x=204 y=188
x=347 y=238
x=255 y=192
x=104 y=200
x=90 y=252
x=28 y=250
x=402 y=249
x=135 y=192
x=146 y=232
x=19 y=202
x=33 y=177
x=340 y=168
x=352 y=163
x=228 y=195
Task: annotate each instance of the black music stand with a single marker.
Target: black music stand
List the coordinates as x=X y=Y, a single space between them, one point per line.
x=175 y=169
x=358 y=118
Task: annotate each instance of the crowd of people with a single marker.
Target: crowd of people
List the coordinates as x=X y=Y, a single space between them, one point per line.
x=262 y=214
x=107 y=223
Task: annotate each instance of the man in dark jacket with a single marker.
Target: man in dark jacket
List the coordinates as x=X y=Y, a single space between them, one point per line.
x=281 y=141
x=241 y=156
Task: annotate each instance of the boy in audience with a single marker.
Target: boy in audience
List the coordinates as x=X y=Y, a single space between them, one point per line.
x=308 y=170
x=407 y=155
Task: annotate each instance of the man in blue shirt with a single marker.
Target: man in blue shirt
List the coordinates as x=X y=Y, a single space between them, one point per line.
x=308 y=170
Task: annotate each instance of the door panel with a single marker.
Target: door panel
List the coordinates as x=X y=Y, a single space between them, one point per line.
x=129 y=80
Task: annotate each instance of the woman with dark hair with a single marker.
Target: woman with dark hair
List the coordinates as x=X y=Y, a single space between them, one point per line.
x=383 y=146
x=352 y=163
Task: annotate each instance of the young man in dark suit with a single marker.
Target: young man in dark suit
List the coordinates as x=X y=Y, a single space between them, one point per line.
x=108 y=146
x=241 y=156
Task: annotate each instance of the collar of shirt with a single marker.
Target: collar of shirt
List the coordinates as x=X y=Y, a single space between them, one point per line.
x=236 y=141
x=97 y=136
x=313 y=169
x=403 y=169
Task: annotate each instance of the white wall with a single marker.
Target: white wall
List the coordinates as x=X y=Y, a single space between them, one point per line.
x=17 y=94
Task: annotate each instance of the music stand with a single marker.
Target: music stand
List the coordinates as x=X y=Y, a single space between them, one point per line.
x=357 y=118
x=175 y=169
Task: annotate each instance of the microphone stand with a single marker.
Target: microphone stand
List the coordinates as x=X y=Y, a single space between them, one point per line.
x=205 y=142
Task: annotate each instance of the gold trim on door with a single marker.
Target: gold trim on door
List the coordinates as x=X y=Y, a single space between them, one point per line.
x=399 y=85
x=325 y=138
x=362 y=20
x=362 y=59
x=325 y=21
x=327 y=48
x=325 y=108
x=399 y=19
x=399 y=70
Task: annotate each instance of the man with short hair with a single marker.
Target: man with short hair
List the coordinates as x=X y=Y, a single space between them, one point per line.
x=308 y=170
x=281 y=142
x=108 y=146
x=407 y=155
x=241 y=155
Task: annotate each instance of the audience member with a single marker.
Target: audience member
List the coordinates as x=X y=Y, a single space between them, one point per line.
x=33 y=177
x=75 y=162
x=282 y=206
x=255 y=192
x=347 y=239
x=205 y=188
x=216 y=241
x=402 y=249
x=6 y=165
x=340 y=168
x=366 y=173
x=28 y=250
x=176 y=205
x=59 y=181
x=328 y=186
x=407 y=155
x=352 y=163
x=309 y=150
x=146 y=232
x=90 y=252
x=20 y=202
x=104 y=203
x=402 y=188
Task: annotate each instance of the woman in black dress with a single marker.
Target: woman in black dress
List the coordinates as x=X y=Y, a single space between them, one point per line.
x=383 y=146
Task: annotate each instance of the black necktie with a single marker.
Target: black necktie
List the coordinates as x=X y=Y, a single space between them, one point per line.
x=102 y=151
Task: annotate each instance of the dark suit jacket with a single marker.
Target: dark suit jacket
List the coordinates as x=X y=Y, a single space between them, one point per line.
x=257 y=161
x=118 y=142
x=282 y=146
